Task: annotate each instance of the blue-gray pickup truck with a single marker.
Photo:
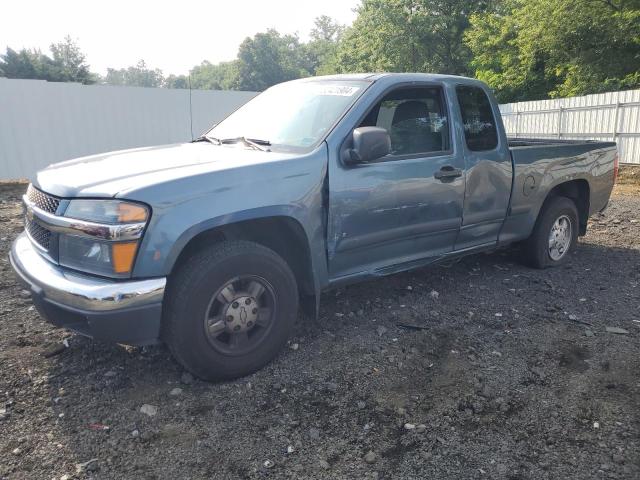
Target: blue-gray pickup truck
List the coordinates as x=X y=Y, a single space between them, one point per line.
x=212 y=246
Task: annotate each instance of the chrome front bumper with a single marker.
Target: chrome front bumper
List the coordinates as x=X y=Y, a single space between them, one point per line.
x=123 y=311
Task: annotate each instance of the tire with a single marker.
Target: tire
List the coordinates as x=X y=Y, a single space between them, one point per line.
x=538 y=250
x=218 y=284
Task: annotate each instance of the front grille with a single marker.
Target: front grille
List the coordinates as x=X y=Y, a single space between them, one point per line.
x=38 y=234
x=42 y=200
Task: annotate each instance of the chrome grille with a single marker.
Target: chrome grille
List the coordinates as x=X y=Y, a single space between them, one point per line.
x=38 y=234
x=42 y=200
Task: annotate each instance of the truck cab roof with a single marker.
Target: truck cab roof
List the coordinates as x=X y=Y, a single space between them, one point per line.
x=393 y=77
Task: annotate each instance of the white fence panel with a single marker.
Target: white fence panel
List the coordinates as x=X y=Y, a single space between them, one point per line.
x=46 y=122
x=605 y=116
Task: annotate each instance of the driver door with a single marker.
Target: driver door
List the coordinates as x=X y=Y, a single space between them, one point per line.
x=407 y=206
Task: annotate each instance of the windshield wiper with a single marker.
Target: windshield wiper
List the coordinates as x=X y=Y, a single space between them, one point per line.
x=204 y=138
x=249 y=142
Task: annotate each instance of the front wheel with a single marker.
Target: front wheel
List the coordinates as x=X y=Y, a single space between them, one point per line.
x=230 y=309
x=555 y=234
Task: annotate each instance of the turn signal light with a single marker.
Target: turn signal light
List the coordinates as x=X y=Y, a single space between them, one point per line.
x=122 y=255
x=129 y=212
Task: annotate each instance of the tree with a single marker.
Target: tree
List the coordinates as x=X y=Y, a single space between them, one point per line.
x=321 y=50
x=533 y=50
x=22 y=64
x=136 y=76
x=176 y=81
x=409 y=36
x=67 y=64
x=269 y=58
x=221 y=76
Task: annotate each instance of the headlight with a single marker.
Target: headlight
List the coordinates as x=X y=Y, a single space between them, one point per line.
x=108 y=235
x=106 y=211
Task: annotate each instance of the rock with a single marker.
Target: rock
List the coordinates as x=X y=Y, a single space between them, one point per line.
x=314 y=433
x=186 y=378
x=617 y=458
x=268 y=464
x=111 y=373
x=421 y=428
x=434 y=295
x=175 y=392
x=370 y=457
x=290 y=449
x=361 y=404
x=88 y=466
x=25 y=294
x=332 y=386
x=294 y=346
x=617 y=330
x=588 y=333
x=3 y=413
x=401 y=411
x=53 y=350
x=147 y=409
x=16 y=451
x=381 y=330
x=324 y=465
x=135 y=433
x=409 y=426
x=65 y=477
x=360 y=313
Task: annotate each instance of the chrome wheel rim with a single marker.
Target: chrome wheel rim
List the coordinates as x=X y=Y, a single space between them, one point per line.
x=560 y=237
x=240 y=314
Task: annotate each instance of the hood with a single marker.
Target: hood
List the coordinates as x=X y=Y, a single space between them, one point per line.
x=116 y=173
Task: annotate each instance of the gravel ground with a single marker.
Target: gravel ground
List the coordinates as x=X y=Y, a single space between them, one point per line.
x=506 y=372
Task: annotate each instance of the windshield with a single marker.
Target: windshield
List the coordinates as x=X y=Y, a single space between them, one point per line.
x=294 y=115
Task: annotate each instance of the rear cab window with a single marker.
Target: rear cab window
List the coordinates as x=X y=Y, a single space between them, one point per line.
x=416 y=119
x=480 y=131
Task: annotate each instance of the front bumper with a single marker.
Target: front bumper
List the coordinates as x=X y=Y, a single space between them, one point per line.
x=119 y=311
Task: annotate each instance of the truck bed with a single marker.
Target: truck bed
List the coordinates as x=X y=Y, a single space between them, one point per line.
x=539 y=164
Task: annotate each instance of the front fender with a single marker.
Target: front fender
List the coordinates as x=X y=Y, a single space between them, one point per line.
x=184 y=210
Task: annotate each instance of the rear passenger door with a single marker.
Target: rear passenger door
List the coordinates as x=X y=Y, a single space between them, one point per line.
x=408 y=205
x=488 y=168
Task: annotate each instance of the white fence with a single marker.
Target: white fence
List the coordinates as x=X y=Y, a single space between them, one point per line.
x=605 y=116
x=45 y=122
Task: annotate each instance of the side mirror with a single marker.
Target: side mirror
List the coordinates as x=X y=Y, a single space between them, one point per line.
x=369 y=143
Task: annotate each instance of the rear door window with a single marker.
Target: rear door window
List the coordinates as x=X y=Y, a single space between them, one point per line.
x=480 y=130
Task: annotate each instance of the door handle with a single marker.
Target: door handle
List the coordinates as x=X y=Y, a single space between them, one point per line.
x=447 y=172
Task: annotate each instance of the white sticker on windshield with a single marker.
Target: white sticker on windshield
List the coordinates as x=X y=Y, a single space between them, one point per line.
x=338 y=90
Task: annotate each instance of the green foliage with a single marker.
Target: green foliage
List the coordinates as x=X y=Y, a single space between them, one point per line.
x=524 y=49
x=321 y=52
x=67 y=64
x=221 y=76
x=558 y=48
x=137 y=76
x=176 y=81
x=409 y=36
x=269 y=58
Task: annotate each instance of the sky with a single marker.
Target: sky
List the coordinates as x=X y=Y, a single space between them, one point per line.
x=173 y=36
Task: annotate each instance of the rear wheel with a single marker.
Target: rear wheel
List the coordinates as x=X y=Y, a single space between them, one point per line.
x=555 y=234
x=230 y=309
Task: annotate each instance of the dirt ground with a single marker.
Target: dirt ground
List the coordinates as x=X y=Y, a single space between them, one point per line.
x=507 y=373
